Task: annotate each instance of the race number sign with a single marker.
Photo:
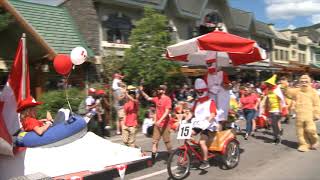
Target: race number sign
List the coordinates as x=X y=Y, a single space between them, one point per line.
x=185 y=131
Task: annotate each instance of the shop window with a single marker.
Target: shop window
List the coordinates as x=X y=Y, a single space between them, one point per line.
x=117 y=28
x=276 y=52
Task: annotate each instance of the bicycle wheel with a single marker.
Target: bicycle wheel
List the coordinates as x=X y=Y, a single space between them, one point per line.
x=179 y=164
x=232 y=156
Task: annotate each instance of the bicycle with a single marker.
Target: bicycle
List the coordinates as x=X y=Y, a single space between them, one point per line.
x=181 y=159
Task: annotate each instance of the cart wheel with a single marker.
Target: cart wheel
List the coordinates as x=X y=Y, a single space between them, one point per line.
x=178 y=165
x=232 y=156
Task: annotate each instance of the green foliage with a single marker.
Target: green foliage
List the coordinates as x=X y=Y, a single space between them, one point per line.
x=54 y=100
x=145 y=59
x=5 y=19
x=111 y=63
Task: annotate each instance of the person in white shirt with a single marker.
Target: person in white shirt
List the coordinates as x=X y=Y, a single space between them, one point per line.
x=117 y=80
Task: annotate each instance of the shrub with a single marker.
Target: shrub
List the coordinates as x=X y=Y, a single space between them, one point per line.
x=54 y=100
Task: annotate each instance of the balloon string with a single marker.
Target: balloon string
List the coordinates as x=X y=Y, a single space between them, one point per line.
x=66 y=90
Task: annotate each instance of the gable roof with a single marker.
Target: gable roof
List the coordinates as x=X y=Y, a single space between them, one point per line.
x=47 y=2
x=241 y=19
x=264 y=29
x=53 y=24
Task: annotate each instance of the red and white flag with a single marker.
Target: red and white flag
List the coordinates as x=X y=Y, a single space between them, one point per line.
x=16 y=88
x=122 y=170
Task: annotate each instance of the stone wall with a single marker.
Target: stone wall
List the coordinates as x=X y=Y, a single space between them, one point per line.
x=86 y=19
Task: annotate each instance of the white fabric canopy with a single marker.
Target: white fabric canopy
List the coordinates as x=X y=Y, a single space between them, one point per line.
x=91 y=153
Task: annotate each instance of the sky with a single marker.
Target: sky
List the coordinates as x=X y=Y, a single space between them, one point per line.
x=284 y=14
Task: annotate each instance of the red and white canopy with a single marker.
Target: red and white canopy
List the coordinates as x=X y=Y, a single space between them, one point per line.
x=238 y=49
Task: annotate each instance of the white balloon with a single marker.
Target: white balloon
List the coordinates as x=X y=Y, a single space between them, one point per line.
x=78 y=55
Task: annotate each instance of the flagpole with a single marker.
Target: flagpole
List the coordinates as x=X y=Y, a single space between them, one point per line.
x=24 y=68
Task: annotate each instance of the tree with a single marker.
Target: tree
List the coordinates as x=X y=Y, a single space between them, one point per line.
x=145 y=59
x=5 y=19
x=111 y=63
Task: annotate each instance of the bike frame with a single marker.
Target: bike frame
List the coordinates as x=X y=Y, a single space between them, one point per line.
x=187 y=147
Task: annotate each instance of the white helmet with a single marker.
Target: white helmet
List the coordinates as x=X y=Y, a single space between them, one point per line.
x=201 y=85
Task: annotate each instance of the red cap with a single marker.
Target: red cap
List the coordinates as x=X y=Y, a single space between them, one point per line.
x=26 y=103
x=100 y=92
x=91 y=90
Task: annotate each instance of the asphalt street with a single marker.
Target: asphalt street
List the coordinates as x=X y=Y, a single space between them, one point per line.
x=259 y=160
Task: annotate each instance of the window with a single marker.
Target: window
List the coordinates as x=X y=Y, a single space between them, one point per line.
x=281 y=55
x=286 y=56
x=276 y=52
x=294 y=54
x=211 y=21
x=117 y=28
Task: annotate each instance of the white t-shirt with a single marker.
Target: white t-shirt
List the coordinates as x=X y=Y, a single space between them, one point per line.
x=147 y=122
x=90 y=101
x=115 y=84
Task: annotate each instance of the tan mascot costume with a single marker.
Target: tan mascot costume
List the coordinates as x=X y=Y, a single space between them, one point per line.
x=307 y=107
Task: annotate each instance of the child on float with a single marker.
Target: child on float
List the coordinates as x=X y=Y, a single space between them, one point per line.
x=204 y=120
x=29 y=121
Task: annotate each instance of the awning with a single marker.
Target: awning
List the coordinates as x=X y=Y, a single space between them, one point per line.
x=4 y=66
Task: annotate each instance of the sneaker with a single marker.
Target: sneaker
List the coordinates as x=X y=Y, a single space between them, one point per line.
x=253 y=135
x=153 y=158
x=204 y=165
x=246 y=136
x=277 y=141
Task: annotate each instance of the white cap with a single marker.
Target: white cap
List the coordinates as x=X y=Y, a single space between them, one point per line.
x=200 y=84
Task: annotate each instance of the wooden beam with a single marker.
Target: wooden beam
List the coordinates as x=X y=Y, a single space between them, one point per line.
x=25 y=25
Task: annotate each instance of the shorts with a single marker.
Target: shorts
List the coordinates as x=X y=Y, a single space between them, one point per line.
x=204 y=132
x=120 y=113
x=163 y=132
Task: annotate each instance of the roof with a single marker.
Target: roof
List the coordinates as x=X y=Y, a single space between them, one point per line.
x=55 y=25
x=47 y=2
x=241 y=19
x=264 y=29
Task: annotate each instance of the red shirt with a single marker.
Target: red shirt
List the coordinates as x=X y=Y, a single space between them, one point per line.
x=162 y=103
x=131 y=109
x=249 y=102
x=30 y=123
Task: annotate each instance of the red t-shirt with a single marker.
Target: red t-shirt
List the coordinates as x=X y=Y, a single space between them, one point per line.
x=162 y=103
x=30 y=123
x=131 y=109
x=249 y=102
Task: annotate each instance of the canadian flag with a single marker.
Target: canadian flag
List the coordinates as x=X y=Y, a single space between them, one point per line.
x=16 y=89
x=122 y=170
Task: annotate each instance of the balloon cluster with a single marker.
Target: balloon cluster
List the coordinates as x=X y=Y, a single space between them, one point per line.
x=63 y=63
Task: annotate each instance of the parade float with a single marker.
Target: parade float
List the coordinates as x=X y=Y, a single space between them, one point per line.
x=64 y=151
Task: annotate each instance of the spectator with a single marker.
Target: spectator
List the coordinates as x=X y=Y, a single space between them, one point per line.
x=103 y=110
x=130 y=124
x=119 y=101
x=117 y=80
x=148 y=122
x=249 y=103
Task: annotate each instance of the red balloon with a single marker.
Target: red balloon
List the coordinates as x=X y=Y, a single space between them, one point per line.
x=62 y=64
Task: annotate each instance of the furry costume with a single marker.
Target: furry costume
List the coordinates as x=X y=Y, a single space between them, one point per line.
x=307 y=107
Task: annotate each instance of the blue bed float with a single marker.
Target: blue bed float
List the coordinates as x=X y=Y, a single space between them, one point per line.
x=74 y=125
